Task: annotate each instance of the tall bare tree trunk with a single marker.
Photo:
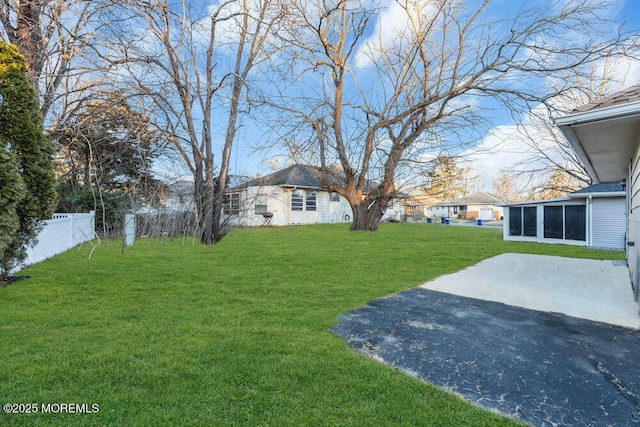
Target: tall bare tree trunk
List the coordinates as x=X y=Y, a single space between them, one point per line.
x=52 y=36
x=217 y=226
x=367 y=215
x=29 y=38
x=250 y=46
x=204 y=194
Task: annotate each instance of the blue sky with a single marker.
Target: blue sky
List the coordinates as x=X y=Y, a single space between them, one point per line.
x=503 y=147
x=499 y=147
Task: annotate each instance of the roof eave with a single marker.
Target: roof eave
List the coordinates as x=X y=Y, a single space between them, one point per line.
x=598 y=194
x=606 y=113
x=566 y=123
x=535 y=202
x=302 y=187
x=575 y=144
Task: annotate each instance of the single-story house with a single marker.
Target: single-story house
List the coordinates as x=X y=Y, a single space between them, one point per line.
x=594 y=216
x=605 y=135
x=290 y=196
x=481 y=205
x=179 y=195
x=414 y=206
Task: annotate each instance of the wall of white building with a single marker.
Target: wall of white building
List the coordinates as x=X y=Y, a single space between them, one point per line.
x=633 y=231
x=278 y=201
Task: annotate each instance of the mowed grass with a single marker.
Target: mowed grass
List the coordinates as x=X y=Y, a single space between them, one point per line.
x=170 y=333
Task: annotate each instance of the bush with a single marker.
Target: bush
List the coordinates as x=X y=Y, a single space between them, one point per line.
x=30 y=197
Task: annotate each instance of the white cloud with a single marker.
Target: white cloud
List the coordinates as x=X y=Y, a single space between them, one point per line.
x=505 y=149
x=395 y=27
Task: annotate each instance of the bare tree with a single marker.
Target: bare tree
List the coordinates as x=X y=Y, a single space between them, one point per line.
x=448 y=180
x=63 y=45
x=58 y=40
x=554 y=168
x=374 y=97
x=190 y=65
x=505 y=188
x=551 y=152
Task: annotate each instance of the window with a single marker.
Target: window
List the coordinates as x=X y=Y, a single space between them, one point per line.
x=565 y=222
x=530 y=221
x=334 y=197
x=575 y=222
x=296 y=201
x=231 y=204
x=515 y=221
x=523 y=221
x=261 y=204
x=311 y=201
x=553 y=223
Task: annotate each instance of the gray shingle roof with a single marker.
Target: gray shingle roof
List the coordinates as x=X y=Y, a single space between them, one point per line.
x=626 y=96
x=601 y=188
x=481 y=198
x=292 y=176
x=303 y=176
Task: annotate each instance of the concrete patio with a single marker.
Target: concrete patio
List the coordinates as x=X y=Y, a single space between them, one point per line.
x=559 y=348
x=583 y=288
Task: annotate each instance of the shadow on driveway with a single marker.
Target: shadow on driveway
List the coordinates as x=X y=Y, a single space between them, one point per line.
x=539 y=367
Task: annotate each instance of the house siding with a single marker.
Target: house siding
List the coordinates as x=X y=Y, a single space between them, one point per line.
x=608 y=223
x=440 y=211
x=279 y=203
x=633 y=194
x=275 y=199
x=395 y=211
x=484 y=212
x=326 y=210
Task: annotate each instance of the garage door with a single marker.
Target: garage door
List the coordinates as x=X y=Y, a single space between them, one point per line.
x=486 y=214
x=608 y=223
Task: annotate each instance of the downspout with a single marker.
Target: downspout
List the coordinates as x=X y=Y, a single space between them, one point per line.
x=628 y=189
x=589 y=224
x=287 y=207
x=505 y=223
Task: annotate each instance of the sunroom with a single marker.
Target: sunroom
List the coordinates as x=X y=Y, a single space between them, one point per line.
x=592 y=217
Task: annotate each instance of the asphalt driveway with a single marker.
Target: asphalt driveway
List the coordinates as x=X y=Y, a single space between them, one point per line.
x=544 y=368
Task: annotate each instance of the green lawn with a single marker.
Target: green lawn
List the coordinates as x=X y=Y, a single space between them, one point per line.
x=170 y=333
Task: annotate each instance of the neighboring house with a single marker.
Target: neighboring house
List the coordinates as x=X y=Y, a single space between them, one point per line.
x=179 y=195
x=422 y=204
x=440 y=211
x=292 y=196
x=481 y=205
x=414 y=206
x=605 y=135
x=594 y=216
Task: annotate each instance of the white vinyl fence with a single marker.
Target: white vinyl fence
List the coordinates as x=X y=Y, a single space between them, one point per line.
x=61 y=233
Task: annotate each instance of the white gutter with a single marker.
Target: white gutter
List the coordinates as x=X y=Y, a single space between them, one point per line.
x=614 y=112
x=598 y=194
x=534 y=202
